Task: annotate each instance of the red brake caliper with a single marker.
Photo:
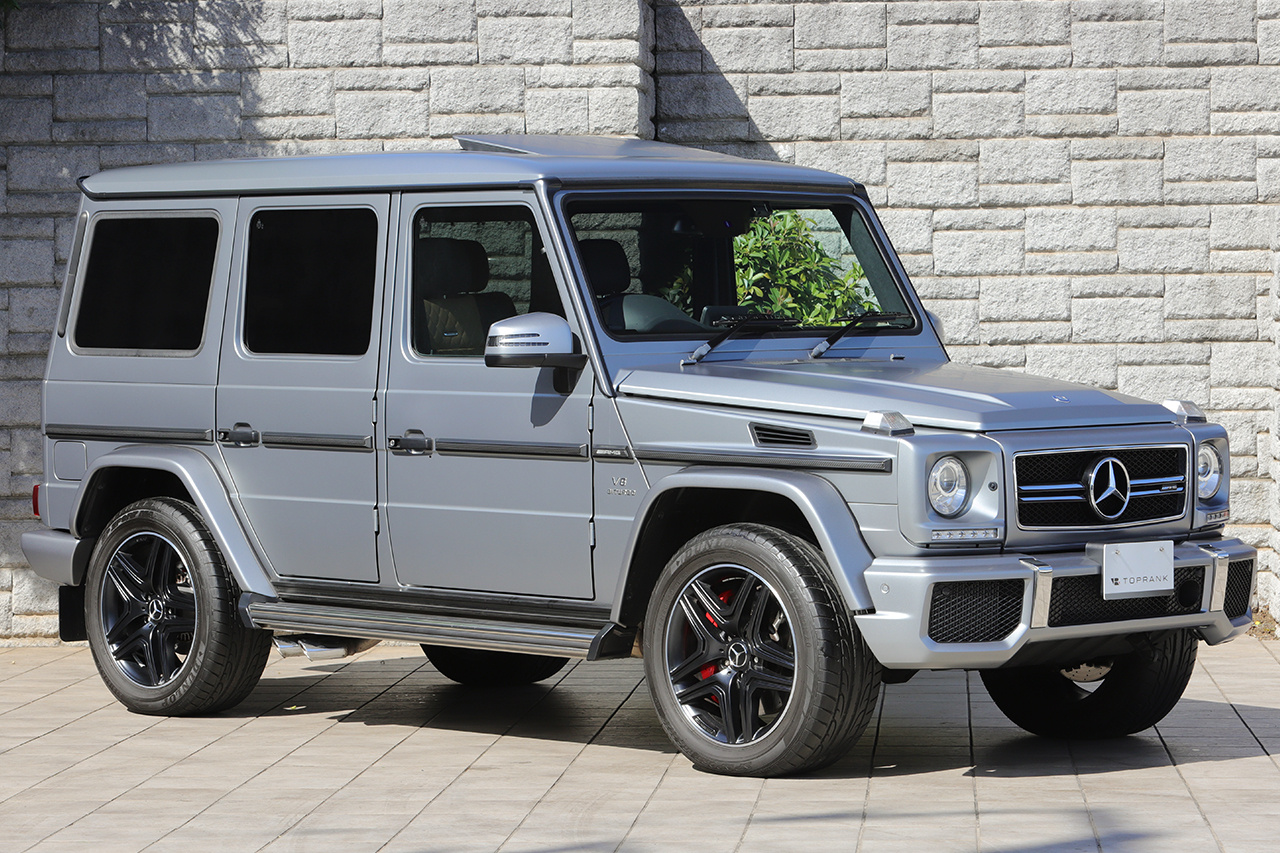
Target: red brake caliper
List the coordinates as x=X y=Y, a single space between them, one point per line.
x=710 y=669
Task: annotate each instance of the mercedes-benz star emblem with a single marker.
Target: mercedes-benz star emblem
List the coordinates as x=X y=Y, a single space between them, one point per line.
x=1109 y=488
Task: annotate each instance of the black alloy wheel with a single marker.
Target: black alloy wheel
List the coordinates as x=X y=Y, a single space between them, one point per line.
x=148 y=609
x=751 y=656
x=161 y=613
x=730 y=654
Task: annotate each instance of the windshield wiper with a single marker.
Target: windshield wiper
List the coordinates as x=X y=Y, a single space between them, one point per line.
x=758 y=325
x=862 y=322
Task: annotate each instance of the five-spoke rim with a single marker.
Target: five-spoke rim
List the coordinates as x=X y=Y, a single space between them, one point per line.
x=730 y=654
x=148 y=609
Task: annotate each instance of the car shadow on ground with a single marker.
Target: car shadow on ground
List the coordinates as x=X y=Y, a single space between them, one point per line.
x=618 y=712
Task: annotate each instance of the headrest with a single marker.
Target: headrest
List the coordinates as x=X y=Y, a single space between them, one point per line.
x=444 y=266
x=606 y=265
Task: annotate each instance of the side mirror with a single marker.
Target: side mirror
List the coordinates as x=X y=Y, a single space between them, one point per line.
x=532 y=340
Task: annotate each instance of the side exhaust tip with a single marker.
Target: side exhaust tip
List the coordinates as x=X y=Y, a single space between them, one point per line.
x=321 y=648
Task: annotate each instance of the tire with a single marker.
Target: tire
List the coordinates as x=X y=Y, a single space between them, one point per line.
x=161 y=614
x=481 y=668
x=1137 y=690
x=746 y=618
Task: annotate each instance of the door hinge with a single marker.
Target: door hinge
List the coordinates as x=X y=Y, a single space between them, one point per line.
x=591 y=533
x=591 y=417
x=375 y=410
x=376 y=523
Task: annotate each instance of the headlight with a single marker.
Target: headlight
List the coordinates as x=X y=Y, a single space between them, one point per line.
x=1208 y=471
x=948 y=486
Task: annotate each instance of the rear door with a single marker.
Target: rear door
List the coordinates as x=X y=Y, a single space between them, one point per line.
x=299 y=369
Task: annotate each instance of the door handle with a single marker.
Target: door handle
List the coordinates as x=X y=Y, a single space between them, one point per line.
x=413 y=443
x=241 y=435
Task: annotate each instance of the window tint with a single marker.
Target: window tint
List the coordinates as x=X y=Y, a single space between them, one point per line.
x=147 y=283
x=310 y=281
x=472 y=267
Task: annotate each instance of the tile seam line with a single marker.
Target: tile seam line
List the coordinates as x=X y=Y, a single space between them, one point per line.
x=647 y=801
x=71 y=651
x=755 y=805
x=576 y=755
x=65 y=687
x=85 y=758
x=367 y=768
x=470 y=764
x=145 y=729
x=1178 y=768
x=309 y=740
x=160 y=720
x=1235 y=711
x=973 y=762
x=1084 y=796
x=866 y=797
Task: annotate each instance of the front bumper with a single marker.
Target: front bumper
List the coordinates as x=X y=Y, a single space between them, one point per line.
x=978 y=612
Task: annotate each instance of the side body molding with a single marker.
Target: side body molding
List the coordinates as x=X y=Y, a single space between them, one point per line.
x=821 y=503
x=207 y=491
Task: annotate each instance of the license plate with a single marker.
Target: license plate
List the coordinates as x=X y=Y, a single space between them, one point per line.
x=1137 y=569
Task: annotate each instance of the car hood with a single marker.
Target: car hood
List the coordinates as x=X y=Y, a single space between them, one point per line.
x=947 y=396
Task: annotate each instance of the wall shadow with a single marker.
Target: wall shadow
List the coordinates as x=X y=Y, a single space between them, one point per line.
x=695 y=103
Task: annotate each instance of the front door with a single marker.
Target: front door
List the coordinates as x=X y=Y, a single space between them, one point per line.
x=488 y=474
x=299 y=368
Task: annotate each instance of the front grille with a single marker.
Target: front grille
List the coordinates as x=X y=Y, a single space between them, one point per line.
x=1053 y=487
x=1239 y=588
x=1077 y=600
x=975 y=611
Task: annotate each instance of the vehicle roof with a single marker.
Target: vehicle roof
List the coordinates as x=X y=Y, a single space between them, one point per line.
x=496 y=161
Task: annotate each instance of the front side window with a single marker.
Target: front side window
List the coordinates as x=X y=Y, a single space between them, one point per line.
x=687 y=267
x=310 y=281
x=146 y=284
x=472 y=266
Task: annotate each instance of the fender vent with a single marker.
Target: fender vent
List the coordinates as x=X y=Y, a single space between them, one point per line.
x=768 y=435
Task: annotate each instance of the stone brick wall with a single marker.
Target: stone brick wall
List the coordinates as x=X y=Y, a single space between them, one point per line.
x=1080 y=189
x=92 y=85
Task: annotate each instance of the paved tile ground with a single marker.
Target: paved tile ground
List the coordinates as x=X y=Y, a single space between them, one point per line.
x=380 y=753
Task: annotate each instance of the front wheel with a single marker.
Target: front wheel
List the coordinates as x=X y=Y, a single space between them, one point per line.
x=752 y=660
x=160 y=610
x=1105 y=698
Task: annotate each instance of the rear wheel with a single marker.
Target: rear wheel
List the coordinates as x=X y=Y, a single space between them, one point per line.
x=1101 y=698
x=752 y=659
x=481 y=668
x=160 y=612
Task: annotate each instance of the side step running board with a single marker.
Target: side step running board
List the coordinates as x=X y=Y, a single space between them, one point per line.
x=581 y=641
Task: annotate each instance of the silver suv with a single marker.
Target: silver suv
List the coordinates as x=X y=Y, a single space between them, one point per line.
x=556 y=397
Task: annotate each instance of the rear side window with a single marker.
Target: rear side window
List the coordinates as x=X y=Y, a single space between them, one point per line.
x=310 y=282
x=147 y=283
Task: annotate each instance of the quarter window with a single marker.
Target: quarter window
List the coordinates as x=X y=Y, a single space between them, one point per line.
x=310 y=281
x=146 y=285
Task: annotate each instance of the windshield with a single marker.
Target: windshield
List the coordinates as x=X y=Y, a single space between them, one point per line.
x=689 y=268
